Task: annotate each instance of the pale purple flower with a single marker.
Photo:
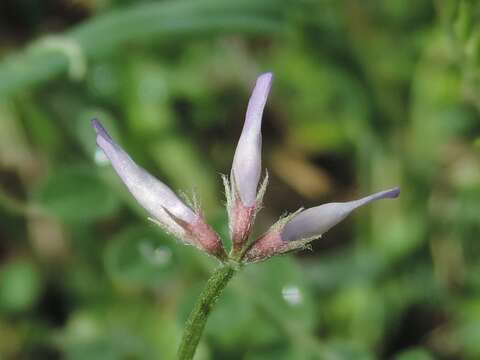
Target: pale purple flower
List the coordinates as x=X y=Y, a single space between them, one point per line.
x=316 y=221
x=244 y=197
x=157 y=198
x=247 y=161
x=300 y=228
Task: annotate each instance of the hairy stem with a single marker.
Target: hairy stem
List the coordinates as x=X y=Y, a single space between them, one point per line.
x=198 y=317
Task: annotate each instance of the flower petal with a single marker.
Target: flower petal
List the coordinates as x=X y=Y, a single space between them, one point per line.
x=152 y=194
x=317 y=220
x=247 y=161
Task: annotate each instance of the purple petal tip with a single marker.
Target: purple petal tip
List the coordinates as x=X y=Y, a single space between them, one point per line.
x=265 y=80
x=100 y=130
x=393 y=193
x=97 y=125
x=267 y=75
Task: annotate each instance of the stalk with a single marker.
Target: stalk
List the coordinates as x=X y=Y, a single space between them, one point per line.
x=198 y=317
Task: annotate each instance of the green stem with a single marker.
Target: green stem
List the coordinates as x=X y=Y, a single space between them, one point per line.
x=199 y=315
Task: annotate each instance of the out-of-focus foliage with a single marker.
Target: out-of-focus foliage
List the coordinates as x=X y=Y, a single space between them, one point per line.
x=368 y=94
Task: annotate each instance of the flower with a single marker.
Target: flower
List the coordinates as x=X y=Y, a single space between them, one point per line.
x=247 y=161
x=243 y=200
x=159 y=200
x=297 y=230
x=244 y=197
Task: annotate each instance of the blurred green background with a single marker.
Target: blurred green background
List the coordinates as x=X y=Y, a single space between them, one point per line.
x=368 y=94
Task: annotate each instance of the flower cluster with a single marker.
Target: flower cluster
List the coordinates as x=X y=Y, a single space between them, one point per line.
x=244 y=197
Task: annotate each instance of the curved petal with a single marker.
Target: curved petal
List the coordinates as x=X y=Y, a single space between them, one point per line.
x=247 y=161
x=317 y=220
x=152 y=194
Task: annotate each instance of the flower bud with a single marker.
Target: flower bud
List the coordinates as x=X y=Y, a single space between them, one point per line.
x=316 y=221
x=247 y=161
x=297 y=230
x=247 y=166
x=158 y=199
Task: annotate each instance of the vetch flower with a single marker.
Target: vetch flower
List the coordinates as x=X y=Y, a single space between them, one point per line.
x=297 y=230
x=158 y=199
x=243 y=200
x=243 y=193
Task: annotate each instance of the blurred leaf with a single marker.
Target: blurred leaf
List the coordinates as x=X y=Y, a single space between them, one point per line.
x=147 y=96
x=14 y=150
x=90 y=336
x=465 y=19
x=20 y=285
x=325 y=105
x=359 y=313
x=187 y=168
x=341 y=349
x=140 y=256
x=142 y=23
x=277 y=352
x=44 y=133
x=414 y=354
x=232 y=323
x=104 y=80
x=468 y=336
x=77 y=194
x=280 y=287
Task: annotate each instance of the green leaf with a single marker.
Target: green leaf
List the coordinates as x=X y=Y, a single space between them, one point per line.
x=339 y=349
x=109 y=335
x=414 y=354
x=20 y=286
x=264 y=305
x=77 y=195
x=49 y=57
x=140 y=256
